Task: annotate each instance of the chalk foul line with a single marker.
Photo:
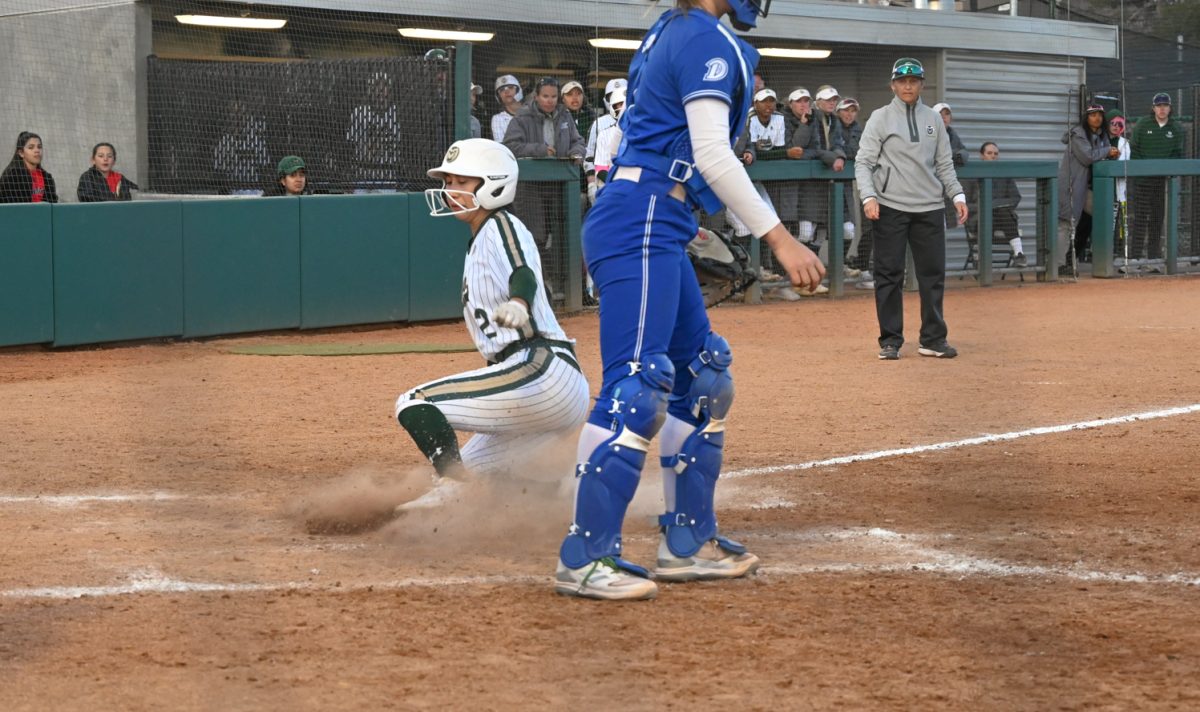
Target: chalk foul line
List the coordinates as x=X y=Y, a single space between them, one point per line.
x=966 y=442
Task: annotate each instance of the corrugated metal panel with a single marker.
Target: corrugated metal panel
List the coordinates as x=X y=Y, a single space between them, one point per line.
x=1022 y=102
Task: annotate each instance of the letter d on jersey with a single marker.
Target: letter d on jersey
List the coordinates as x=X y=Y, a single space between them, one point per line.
x=717 y=70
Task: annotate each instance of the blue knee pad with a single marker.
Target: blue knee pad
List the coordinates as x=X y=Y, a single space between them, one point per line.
x=610 y=476
x=698 y=463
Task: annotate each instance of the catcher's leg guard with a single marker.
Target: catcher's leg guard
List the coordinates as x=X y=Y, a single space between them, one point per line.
x=609 y=477
x=698 y=463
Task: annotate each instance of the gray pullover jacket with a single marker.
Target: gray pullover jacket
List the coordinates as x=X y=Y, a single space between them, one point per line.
x=904 y=159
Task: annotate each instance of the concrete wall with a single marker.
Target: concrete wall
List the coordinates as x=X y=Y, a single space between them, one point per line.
x=71 y=76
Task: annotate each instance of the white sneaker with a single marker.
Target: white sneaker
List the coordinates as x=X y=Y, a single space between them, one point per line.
x=712 y=562
x=819 y=289
x=787 y=294
x=851 y=273
x=445 y=491
x=865 y=284
x=602 y=580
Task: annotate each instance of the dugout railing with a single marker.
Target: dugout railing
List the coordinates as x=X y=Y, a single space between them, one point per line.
x=1105 y=175
x=1046 y=201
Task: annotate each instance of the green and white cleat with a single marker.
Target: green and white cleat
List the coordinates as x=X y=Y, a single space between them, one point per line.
x=603 y=580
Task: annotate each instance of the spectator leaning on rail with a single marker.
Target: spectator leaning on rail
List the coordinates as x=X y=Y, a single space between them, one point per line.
x=1156 y=136
x=509 y=94
x=584 y=116
x=826 y=144
x=1116 y=139
x=544 y=129
x=1086 y=144
x=24 y=180
x=904 y=168
x=1005 y=199
x=101 y=183
x=799 y=114
x=857 y=244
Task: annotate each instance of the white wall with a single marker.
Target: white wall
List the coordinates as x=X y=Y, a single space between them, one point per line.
x=70 y=75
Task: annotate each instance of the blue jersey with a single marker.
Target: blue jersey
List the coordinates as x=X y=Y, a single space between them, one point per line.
x=684 y=56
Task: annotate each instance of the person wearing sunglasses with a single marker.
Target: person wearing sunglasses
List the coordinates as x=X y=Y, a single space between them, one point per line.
x=905 y=170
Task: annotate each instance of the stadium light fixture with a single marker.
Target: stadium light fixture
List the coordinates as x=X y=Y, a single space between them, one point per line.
x=785 y=53
x=421 y=33
x=243 y=23
x=614 y=43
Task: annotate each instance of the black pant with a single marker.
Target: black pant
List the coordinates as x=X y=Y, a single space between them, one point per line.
x=1148 y=197
x=925 y=233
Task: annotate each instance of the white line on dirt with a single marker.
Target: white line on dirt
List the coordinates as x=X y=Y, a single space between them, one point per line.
x=966 y=442
x=76 y=500
x=916 y=559
x=84 y=499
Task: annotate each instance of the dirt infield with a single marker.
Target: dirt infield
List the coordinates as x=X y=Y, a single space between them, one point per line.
x=154 y=557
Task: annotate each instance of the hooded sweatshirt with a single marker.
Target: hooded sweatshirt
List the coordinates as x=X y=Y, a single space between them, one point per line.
x=904 y=159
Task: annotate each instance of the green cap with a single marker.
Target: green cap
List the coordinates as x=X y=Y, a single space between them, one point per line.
x=290 y=164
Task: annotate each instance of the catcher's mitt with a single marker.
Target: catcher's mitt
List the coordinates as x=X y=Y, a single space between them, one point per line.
x=722 y=266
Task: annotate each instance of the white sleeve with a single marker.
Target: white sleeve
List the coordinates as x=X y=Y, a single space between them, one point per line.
x=708 y=124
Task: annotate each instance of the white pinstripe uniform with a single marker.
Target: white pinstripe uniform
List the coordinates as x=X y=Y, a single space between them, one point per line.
x=533 y=391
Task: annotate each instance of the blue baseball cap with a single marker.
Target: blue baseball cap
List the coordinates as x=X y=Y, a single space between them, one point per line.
x=1161 y=98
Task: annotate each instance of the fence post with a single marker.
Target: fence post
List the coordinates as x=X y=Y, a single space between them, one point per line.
x=572 y=221
x=754 y=291
x=837 y=239
x=1173 y=225
x=462 y=90
x=985 y=228
x=1049 y=189
x=1103 y=218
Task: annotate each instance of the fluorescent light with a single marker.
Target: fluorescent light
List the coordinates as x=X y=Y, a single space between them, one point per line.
x=614 y=43
x=245 y=23
x=794 y=53
x=420 y=33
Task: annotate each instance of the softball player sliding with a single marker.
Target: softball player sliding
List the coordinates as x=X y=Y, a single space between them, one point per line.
x=687 y=99
x=532 y=392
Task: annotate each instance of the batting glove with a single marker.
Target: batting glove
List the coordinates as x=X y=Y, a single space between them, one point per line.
x=512 y=314
x=591 y=193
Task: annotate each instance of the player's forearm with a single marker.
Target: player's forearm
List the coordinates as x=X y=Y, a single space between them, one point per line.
x=708 y=125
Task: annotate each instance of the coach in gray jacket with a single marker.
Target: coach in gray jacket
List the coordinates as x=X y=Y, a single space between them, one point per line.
x=904 y=167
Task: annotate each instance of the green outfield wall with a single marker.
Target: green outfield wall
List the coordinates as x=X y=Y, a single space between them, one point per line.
x=81 y=274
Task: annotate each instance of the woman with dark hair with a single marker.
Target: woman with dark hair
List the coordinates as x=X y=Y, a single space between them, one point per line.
x=24 y=180
x=101 y=183
x=1086 y=143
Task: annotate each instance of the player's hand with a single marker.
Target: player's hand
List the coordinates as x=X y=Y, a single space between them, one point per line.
x=591 y=193
x=550 y=151
x=838 y=165
x=803 y=267
x=747 y=158
x=512 y=314
x=961 y=209
x=795 y=152
x=1114 y=152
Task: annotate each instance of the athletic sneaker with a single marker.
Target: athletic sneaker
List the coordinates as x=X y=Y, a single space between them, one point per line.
x=787 y=294
x=851 y=273
x=1019 y=260
x=713 y=561
x=939 y=350
x=603 y=580
x=889 y=352
x=819 y=289
x=445 y=491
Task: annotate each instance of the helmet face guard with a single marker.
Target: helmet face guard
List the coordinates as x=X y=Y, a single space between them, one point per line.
x=447 y=201
x=746 y=13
